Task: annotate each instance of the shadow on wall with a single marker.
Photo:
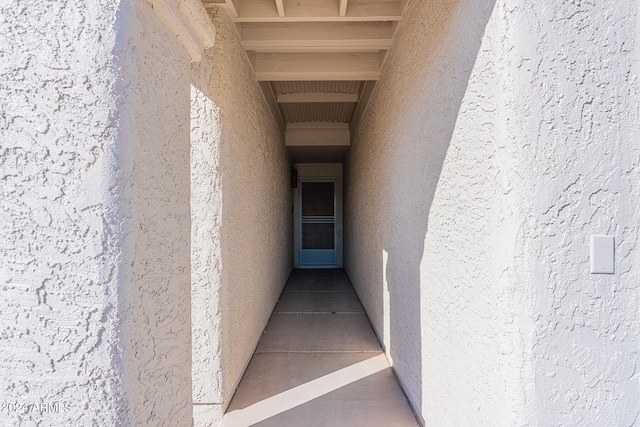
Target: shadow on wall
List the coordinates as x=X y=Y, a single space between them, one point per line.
x=394 y=168
x=241 y=221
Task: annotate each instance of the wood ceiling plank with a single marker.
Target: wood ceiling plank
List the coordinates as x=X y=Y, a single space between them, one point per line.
x=260 y=9
x=317 y=97
x=313 y=75
x=338 y=31
x=318 y=136
x=317 y=36
x=318 y=10
x=374 y=8
x=309 y=8
x=317 y=66
x=276 y=18
x=317 y=125
x=301 y=46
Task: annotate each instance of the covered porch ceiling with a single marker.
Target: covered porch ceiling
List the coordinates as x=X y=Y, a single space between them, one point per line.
x=317 y=62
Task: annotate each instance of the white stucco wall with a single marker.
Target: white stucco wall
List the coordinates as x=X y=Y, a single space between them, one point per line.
x=499 y=137
x=206 y=253
x=95 y=279
x=427 y=214
x=575 y=125
x=242 y=221
x=154 y=168
x=60 y=219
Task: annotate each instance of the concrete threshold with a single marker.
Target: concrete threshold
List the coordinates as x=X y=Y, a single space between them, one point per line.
x=319 y=363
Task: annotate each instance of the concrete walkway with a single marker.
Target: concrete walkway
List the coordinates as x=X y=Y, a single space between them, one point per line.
x=319 y=363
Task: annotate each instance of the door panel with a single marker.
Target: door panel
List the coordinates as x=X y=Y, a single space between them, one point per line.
x=318 y=199
x=318 y=223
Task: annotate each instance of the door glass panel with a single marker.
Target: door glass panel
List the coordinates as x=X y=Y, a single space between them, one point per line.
x=317 y=199
x=318 y=235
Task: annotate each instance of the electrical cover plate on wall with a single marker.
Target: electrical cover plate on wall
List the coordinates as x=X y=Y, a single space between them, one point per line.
x=602 y=254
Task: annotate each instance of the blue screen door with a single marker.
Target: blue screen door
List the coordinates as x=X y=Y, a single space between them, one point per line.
x=318 y=223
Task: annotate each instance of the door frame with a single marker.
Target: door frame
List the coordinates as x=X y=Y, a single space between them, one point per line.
x=317 y=172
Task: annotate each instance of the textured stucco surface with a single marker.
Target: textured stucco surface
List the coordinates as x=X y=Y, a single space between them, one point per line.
x=95 y=221
x=575 y=125
x=500 y=136
x=243 y=212
x=206 y=254
x=154 y=168
x=60 y=221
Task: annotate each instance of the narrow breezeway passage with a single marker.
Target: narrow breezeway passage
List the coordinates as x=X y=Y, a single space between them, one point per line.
x=319 y=363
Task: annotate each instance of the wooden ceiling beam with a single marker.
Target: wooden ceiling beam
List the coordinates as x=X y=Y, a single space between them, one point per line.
x=317 y=10
x=317 y=66
x=317 y=37
x=343 y=7
x=301 y=46
x=308 y=97
x=289 y=18
x=280 y=8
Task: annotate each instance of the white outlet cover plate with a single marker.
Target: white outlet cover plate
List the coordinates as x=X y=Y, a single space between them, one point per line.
x=602 y=254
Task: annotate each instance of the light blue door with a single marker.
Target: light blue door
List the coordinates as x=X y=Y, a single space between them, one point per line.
x=318 y=238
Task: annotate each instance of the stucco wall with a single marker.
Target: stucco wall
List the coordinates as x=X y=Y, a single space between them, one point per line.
x=60 y=222
x=500 y=137
x=206 y=251
x=95 y=219
x=428 y=212
x=154 y=169
x=575 y=124
x=244 y=213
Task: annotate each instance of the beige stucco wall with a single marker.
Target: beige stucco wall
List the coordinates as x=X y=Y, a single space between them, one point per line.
x=95 y=226
x=241 y=214
x=59 y=217
x=576 y=126
x=427 y=213
x=154 y=165
x=499 y=138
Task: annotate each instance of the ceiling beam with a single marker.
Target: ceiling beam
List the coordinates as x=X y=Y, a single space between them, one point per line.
x=300 y=46
x=317 y=37
x=317 y=10
x=317 y=125
x=338 y=31
x=280 y=7
x=289 y=18
x=317 y=97
x=343 y=7
x=319 y=136
x=317 y=66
